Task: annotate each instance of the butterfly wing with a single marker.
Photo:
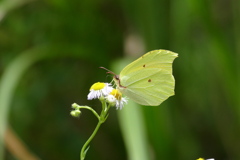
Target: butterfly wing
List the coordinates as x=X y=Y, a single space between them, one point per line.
x=149 y=80
x=157 y=59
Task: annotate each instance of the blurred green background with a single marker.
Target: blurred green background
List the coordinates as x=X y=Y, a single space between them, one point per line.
x=50 y=52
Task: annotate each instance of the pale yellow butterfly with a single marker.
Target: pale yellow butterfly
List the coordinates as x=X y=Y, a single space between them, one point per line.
x=148 y=80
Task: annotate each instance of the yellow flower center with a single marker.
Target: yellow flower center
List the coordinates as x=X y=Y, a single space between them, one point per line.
x=98 y=86
x=200 y=159
x=117 y=94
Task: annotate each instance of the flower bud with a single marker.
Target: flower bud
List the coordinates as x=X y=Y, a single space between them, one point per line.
x=75 y=113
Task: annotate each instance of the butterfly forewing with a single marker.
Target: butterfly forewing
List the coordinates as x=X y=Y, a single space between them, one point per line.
x=154 y=59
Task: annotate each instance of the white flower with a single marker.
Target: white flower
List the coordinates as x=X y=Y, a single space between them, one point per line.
x=120 y=103
x=205 y=159
x=116 y=96
x=111 y=100
x=99 y=89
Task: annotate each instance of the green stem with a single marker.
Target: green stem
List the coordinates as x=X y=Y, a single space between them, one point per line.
x=101 y=120
x=84 y=149
x=89 y=108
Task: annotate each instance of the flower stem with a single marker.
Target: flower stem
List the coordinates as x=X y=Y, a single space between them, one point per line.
x=84 y=149
x=93 y=111
x=101 y=119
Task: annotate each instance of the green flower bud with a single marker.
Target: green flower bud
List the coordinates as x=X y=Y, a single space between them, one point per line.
x=75 y=113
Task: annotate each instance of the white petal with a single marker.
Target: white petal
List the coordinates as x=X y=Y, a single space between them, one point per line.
x=121 y=103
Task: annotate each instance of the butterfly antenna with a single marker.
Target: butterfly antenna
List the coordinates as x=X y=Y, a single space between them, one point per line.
x=108 y=70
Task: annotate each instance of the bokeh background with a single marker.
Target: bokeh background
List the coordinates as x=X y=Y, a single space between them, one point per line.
x=50 y=51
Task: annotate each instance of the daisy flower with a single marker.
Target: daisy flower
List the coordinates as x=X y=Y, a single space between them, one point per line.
x=99 y=89
x=115 y=96
x=111 y=100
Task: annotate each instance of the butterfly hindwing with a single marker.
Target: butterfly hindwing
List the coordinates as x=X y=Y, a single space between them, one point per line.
x=151 y=88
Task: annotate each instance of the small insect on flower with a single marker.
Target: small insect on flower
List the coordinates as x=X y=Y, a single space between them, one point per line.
x=99 y=89
x=117 y=96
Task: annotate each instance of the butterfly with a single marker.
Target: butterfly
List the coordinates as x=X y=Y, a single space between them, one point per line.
x=148 y=80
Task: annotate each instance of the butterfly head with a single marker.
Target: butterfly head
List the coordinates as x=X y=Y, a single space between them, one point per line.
x=116 y=78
